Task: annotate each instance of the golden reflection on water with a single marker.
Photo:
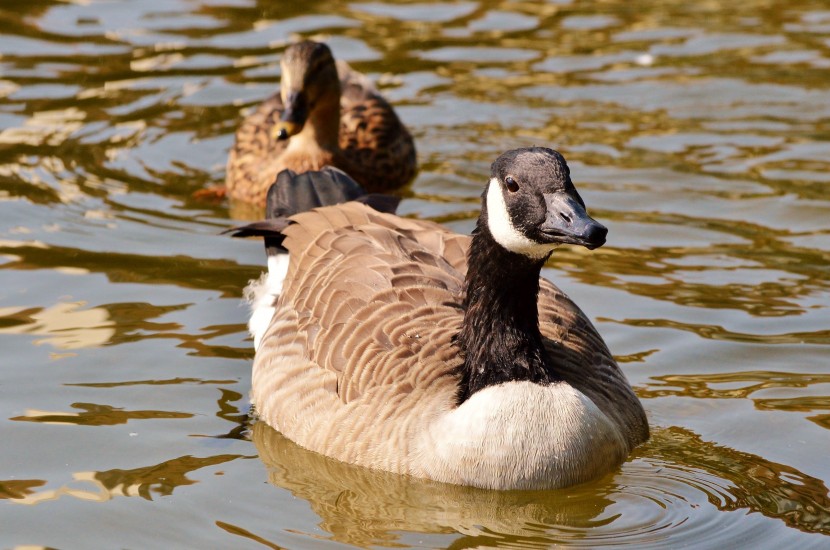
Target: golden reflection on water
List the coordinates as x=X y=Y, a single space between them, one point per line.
x=719 y=333
x=67 y=325
x=756 y=484
x=94 y=414
x=174 y=381
x=670 y=272
x=19 y=488
x=741 y=384
x=157 y=480
x=364 y=507
x=697 y=131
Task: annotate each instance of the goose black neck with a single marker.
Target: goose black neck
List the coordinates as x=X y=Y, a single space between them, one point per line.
x=499 y=338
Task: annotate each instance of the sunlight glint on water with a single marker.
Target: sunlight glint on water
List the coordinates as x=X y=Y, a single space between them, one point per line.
x=696 y=132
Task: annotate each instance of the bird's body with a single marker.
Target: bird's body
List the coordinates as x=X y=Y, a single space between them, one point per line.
x=398 y=345
x=325 y=113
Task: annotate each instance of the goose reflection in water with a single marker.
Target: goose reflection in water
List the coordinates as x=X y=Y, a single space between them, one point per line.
x=665 y=480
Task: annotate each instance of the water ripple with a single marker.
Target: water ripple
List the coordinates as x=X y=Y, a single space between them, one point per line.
x=697 y=132
x=672 y=493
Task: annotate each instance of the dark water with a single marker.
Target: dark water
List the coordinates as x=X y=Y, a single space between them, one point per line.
x=699 y=132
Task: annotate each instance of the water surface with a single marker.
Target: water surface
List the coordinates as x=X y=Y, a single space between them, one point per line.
x=698 y=132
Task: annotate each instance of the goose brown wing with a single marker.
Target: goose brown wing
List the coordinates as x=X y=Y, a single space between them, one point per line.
x=582 y=358
x=375 y=299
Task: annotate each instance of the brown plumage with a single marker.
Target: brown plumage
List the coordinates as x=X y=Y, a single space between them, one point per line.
x=364 y=356
x=325 y=113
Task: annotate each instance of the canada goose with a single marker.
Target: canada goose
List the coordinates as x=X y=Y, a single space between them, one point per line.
x=325 y=113
x=398 y=345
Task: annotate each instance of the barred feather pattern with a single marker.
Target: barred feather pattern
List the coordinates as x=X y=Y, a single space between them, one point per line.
x=359 y=364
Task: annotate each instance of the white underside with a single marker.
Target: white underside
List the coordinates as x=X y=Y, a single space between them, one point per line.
x=262 y=295
x=521 y=435
x=503 y=230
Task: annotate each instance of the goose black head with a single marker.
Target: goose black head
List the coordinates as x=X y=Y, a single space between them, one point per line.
x=309 y=77
x=531 y=205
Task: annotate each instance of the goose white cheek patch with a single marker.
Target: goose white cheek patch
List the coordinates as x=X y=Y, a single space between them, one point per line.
x=503 y=230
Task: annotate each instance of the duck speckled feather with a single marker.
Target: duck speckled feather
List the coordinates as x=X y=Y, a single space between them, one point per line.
x=324 y=114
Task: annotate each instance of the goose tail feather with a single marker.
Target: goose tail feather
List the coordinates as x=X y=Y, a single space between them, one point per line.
x=290 y=194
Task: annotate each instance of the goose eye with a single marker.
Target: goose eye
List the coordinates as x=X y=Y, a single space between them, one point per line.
x=512 y=184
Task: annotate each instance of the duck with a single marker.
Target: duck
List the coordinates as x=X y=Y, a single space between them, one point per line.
x=396 y=344
x=325 y=113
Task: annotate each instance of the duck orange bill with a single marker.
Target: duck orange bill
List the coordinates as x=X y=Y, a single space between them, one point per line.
x=567 y=222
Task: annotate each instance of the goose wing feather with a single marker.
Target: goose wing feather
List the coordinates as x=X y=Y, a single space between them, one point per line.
x=583 y=359
x=367 y=338
x=359 y=357
x=350 y=284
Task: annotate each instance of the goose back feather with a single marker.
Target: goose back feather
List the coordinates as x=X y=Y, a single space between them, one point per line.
x=362 y=360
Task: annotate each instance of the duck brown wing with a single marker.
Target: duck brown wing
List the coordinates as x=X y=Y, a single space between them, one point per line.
x=252 y=160
x=375 y=300
x=372 y=137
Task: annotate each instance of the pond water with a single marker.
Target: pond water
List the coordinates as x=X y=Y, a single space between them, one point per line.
x=698 y=132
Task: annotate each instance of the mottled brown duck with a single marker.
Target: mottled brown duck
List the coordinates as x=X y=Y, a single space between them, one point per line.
x=396 y=344
x=324 y=113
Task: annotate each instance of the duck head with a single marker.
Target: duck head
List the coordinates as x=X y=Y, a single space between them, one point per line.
x=309 y=84
x=531 y=205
